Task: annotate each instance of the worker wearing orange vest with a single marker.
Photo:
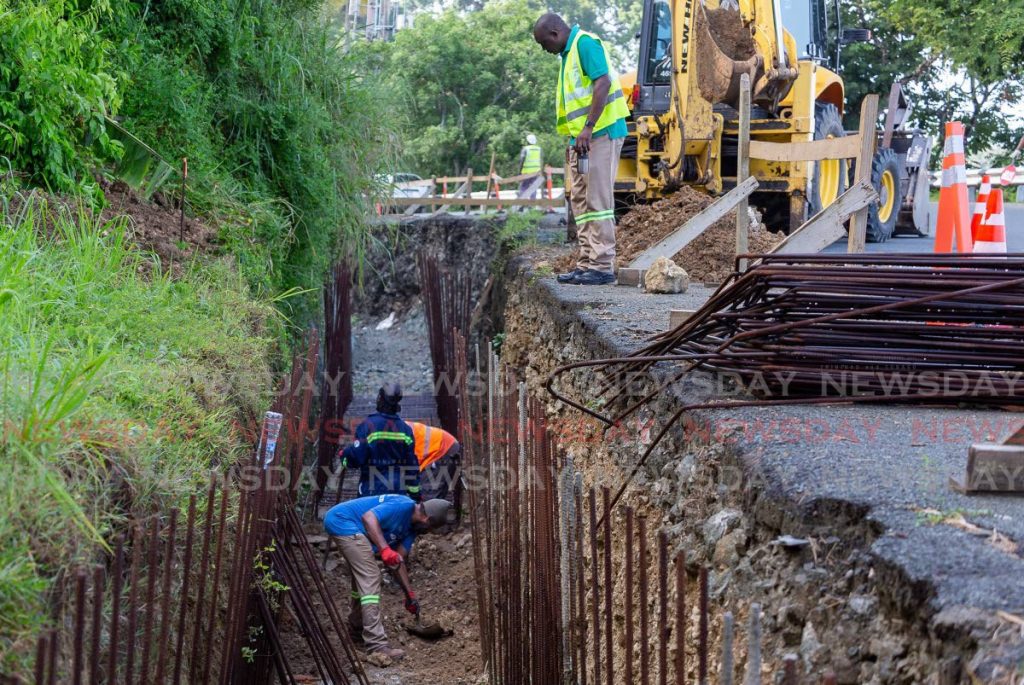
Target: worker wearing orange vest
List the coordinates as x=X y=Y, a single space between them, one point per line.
x=437 y=451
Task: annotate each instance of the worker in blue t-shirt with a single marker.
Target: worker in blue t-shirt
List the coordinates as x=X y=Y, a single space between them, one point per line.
x=388 y=524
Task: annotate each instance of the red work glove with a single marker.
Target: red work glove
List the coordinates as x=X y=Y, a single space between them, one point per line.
x=390 y=557
x=411 y=604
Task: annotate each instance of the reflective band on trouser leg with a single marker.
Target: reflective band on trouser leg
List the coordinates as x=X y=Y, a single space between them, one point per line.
x=359 y=554
x=599 y=226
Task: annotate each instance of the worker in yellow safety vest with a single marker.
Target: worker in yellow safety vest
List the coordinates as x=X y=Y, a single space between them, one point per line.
x=531 y=161
x=591 y=112
x=437 y=451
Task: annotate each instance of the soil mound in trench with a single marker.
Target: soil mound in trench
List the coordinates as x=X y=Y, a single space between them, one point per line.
x=709 y=258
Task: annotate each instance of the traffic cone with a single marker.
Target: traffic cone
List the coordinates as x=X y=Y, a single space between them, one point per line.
x=1009 y=173
x=992 y=232
x=980 y=205
x=953 y=229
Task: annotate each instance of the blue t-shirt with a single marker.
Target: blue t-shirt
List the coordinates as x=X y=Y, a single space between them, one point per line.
x=594 y=66
x=394 y=512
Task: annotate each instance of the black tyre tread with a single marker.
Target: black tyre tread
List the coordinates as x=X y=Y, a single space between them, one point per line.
x=826 y=121
x=877 y=231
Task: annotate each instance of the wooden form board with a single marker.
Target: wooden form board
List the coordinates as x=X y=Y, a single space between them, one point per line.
x=475 y=202
x=689 y=231
x=859 y=221
x=808 y=150
x=743 y=171
x=826 y=227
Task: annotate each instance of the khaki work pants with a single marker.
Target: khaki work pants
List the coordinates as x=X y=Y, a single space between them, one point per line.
x=365 y=615
x=593 y=203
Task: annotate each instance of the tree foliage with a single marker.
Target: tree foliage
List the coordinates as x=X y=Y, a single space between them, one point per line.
x=464 y=85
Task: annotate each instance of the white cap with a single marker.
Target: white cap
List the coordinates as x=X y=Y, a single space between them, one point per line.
x=531 y=139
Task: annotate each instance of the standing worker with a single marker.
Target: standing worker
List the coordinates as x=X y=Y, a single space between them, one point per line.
x=531 y=161
x=387 y=524
x=438 y=452
x=592 y=111
x=383 y=449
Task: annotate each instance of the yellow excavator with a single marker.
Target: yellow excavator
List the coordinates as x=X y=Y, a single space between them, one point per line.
x=684 y=124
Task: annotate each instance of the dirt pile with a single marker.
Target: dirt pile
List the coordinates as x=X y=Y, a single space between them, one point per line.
x=710 y=257
x=733 y=37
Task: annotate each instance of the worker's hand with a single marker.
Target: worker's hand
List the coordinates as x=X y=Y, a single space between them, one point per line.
x=390 y=557
x=583 y=141
x=412 y=605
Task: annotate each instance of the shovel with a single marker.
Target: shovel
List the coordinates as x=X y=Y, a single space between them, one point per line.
x=430 y=631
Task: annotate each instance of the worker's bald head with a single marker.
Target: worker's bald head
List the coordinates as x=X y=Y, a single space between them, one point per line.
x=552 y=33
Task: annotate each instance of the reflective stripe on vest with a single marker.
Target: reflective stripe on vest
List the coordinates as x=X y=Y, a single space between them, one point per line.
x=576 y=93
x=532 y=162
x=389 y=435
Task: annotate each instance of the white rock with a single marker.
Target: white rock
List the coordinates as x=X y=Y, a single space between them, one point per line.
x=720 y=524
x=665 y=276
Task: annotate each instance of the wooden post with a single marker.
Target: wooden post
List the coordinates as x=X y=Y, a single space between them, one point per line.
x=743 y=171
x=469 y=190
x=490 y=177
x=859 y=221
x=433 y=193
x=184 y=181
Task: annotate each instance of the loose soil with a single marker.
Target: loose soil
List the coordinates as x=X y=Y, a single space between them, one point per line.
x=731 y=34
x=441 y=570
x=399 y=353
x=709 y=258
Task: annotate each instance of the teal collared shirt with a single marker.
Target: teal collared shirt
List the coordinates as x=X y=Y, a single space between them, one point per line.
x=594 y=66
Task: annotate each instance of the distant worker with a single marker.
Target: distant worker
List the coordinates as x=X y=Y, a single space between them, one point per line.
x=591 y=110
x=531 y=161
x=438 y=453
x=383 y=449
x=387 y=524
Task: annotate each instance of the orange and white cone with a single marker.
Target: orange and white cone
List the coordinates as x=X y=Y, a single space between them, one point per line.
x=1009 y=173
x=980 y=204
x=991 y=238
x=953 y=229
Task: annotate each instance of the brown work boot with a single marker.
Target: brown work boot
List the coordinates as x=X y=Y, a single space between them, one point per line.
x=385 y=656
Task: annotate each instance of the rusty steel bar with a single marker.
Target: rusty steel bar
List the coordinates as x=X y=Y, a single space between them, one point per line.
x=726 y=676
x=97 y=625
x=702 y=643
x=78 y=655
x=336 y=386
x=151 y=574
x=753 y=676
x=40 y=666
x=133 y=597
x=186 y=577
x=680 y=622
x=645 y=650
x=630 y=589
x=214 y=595
x=609 y=583
x=789 y=672
x=663 y=627
x=117 y=581
x=165 y=600
x=197 y=615
x=595 y=604
x=54 y=646
x=236 y=567
x=581 y=597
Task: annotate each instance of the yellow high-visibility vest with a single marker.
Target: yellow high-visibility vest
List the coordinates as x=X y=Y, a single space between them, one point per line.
x=576 y=93
x=532 y=163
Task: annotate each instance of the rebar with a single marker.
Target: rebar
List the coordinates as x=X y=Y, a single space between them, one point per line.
x=630 y=589
x=97 y=625
x=725 y=674
x=645 y=674
x=702 y=639
x=595 y=608
x=680 y=622
x=753 y=676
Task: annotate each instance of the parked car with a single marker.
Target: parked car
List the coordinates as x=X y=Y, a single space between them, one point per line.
x=404 y=184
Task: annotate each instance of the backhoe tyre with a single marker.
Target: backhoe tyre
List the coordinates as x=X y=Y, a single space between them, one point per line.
x=830 y=176
x=885 y=178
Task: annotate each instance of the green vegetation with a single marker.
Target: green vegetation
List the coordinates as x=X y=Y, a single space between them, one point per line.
x=122 y=388
x=464 y=85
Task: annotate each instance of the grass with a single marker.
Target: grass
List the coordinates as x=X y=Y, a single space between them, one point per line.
x=121 y=389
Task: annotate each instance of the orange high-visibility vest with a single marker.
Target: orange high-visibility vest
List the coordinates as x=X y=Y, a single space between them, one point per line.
x=430 y=443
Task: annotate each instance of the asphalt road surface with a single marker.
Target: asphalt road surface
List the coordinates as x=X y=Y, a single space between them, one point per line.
x=1014 y=236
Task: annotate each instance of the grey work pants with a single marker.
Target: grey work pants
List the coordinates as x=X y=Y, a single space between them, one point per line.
x=365 y=615
x=592 y=199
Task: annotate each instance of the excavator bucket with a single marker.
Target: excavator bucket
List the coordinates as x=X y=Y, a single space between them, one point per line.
x=725 y=51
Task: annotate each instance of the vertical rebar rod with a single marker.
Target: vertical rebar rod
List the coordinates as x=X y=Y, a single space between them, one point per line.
x=165 y=600
x=645 y=649
x=702 y=643
x=753 y=676
x=151 y=575
x=725 y=676
x=609 y=583
x=595 y=601
x=186 y=576
x=54 y=646
x=680 y=624
x=133 y=598
x=97 y=625
x=42 y=645
x=663 y=629
x=581 y=593
x=78 y=655
x=629 y=595
x=117 y=581
x=204 y=564
x=214 y=595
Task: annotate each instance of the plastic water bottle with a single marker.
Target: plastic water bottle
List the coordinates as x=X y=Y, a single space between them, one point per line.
x=583 y=164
